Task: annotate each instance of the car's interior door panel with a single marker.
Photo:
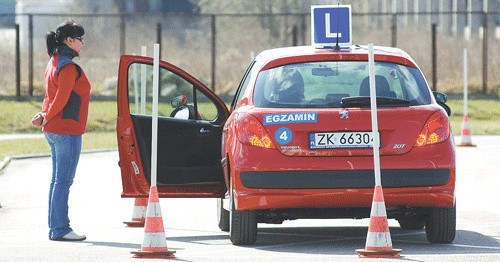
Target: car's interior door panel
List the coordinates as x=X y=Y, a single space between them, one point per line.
x=188 y=151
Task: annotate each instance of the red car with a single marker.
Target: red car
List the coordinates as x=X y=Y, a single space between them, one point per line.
x=297 y=141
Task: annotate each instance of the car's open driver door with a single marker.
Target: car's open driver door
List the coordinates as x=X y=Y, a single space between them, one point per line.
x=188 y=149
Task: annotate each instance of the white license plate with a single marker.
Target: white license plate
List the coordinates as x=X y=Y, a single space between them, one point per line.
x=341 y=140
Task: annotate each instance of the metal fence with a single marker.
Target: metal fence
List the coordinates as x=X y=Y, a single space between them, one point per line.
x=217 y=48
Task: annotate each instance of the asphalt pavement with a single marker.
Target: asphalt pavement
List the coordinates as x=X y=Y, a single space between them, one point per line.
x=97 y=210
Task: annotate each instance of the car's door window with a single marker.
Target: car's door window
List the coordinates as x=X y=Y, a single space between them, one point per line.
x=189 y=130
x=177 y=97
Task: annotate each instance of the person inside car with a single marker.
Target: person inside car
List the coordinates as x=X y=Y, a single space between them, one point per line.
x=289 y=87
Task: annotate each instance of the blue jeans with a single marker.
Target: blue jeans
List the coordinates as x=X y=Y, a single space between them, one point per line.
x=65 y=151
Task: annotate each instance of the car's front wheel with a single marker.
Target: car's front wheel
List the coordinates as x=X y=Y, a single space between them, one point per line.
x=242 y=225
x=441 y=225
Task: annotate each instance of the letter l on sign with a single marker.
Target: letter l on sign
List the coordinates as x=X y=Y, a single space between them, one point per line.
x=328 y=31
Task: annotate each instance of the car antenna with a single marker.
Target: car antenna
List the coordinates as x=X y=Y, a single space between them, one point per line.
x=337 y=47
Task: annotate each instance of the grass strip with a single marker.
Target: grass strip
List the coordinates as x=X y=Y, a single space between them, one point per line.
x=39 y=146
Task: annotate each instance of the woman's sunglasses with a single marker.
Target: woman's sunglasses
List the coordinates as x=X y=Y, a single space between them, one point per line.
x=78 y=38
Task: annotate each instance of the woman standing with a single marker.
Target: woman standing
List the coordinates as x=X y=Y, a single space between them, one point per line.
x=63 y=119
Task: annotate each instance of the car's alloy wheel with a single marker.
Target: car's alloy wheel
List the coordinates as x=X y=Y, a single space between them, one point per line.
x=242 y=225
x=222 y=215
x=441 y=224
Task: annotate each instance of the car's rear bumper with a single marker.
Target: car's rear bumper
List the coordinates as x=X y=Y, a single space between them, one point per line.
x=424 y=177
x=441 y=196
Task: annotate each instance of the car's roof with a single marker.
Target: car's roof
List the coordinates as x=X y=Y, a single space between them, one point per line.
x=297 y=54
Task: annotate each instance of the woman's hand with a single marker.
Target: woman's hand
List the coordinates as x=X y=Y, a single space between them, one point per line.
x=44 y=116
x=39 y=120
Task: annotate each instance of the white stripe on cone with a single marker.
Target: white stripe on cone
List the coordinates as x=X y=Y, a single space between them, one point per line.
x=378 y=209
x=155 y=240
x=154 y=209
x=139 y=212
x=378 y=239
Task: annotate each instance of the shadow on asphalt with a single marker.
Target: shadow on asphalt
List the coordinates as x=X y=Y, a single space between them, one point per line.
x=114 y=244
x=345 y=240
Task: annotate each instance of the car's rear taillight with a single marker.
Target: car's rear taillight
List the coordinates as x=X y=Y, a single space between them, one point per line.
x=436 y=129
x=251 y=132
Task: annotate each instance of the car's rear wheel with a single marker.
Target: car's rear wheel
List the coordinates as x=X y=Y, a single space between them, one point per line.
x=411 y=223
x=441 y=225
x=243 y=224
x=222 y=215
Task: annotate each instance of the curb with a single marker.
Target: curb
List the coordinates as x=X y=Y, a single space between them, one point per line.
x=5 y=162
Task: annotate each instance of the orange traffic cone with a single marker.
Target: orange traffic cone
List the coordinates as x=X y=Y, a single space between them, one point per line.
x=155 y=242
x=466 y=137
x=378 y=240
x=138 y=213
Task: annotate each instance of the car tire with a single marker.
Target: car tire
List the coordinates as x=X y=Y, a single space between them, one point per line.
x=440 y=226
x=222 y=215
x=411 y=223
x=243 y=224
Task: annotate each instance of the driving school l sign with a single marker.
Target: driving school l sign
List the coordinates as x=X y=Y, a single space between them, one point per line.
x=331 y=26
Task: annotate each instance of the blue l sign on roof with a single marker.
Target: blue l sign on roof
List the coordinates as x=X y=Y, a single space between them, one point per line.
x=331 y=25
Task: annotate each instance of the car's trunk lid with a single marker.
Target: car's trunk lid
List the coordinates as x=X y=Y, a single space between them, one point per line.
x=342 y=131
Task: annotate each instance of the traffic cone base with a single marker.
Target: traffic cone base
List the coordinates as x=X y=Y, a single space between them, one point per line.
x=153 y=254
x=155 y=242
x=139 y=213
x=394 y=253
x=134 y=223
x=466 y=144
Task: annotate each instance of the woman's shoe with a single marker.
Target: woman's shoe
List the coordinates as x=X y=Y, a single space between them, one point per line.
x=71 y=236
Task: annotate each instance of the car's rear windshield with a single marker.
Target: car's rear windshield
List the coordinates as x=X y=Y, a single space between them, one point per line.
x=327 y=83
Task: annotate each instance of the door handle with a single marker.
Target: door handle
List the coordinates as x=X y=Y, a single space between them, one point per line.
x=204 y=131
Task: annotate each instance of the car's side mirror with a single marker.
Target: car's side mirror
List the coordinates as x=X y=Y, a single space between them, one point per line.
x=441 y=100
x=440 y=97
